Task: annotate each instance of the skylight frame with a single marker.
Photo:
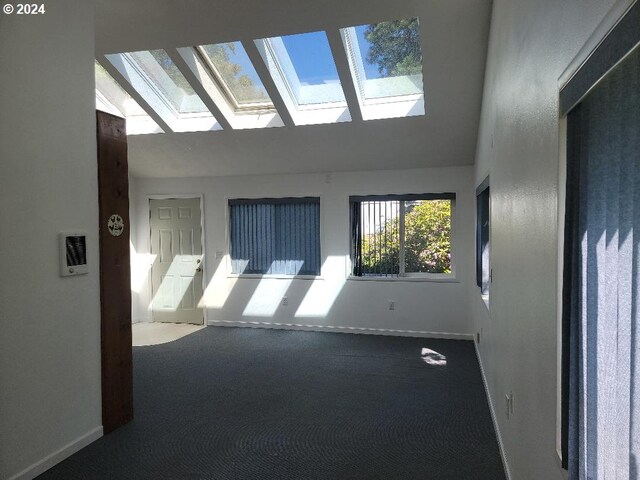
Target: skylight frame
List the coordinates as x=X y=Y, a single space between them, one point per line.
x=390 y=106
x=139 y=81
x=301 y=113
x=286 y=78
x=251 y=107
x=158 y=91
x=137 y=124
x=213 y=94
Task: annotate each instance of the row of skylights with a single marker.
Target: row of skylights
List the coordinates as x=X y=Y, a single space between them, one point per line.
x=235 y=85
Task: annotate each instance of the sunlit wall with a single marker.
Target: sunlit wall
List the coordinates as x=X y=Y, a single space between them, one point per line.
x=331 y=300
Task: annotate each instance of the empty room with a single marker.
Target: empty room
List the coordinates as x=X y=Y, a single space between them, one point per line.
x=370 y=239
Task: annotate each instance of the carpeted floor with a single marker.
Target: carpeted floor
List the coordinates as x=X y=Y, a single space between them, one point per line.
x=240 y=403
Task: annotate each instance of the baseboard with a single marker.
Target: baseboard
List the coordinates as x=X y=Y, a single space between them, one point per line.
x=56 y=457
x=142 y=320
x=331 y=328
x=493 y=414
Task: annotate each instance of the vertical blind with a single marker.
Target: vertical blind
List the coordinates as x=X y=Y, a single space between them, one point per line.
x=275 y=236
x=601 y=291
x=482 y=237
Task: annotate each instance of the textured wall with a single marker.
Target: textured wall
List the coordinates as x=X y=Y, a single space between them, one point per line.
x=531 y=44
x=49 y=326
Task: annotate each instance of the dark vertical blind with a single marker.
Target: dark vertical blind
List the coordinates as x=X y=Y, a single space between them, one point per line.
x=356 y=239
x=275 y=237
x=601 y=291
x=483 y=271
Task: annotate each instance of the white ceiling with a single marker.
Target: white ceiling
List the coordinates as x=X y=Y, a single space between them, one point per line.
x=454 y=42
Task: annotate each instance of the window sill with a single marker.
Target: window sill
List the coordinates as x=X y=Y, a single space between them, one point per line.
x=256 y=276
x=404 y=279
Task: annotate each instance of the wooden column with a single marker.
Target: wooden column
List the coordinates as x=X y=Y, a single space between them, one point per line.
x=115 y=272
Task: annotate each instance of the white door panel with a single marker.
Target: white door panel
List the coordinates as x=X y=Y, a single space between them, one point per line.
x=176 y=275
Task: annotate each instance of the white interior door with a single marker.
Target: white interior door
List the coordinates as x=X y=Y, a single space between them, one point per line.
x=176 y=274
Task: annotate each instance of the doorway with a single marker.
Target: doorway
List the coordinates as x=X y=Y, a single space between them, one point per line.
x=177 y=271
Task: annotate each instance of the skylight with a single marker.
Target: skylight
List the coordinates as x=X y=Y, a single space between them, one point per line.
x=231 y=67
x=164 y=74
x=184 y=89
x=111 y=98
x=386 y=65
x=305 y=74
x=309 y=68
x=158 y=80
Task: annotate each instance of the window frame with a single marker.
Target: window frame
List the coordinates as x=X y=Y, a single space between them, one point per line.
x=482 y=190
x=158 y=91
x=403 y=276
x=392 y=106
x=225 y=91
x=140 y=83
x=316 y=199
x=245 y=118
x=301 y=113
x=137 y=124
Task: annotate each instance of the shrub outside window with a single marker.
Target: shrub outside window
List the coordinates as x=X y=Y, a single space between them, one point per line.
x=401 y=235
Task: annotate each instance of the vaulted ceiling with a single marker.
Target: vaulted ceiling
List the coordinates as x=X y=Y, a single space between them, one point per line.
x=454 y=36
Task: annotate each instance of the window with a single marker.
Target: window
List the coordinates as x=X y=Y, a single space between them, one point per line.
x=275 y=236
x=231 y=83
x=483 y=263
x=111 y=98
x=385 y=60
x=401 y=235
x=305 y=74
x=235 y=74
x=158 y=80
x=214 y=86
x=171 y=84
x=600 y=399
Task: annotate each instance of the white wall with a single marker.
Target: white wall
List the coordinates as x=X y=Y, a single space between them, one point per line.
x=331 y=301
x=531 y=44
x=49 y=326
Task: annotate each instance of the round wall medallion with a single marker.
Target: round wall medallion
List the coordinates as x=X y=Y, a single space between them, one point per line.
x=115 y=224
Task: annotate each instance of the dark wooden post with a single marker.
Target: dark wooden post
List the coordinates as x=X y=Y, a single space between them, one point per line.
x=115 y=273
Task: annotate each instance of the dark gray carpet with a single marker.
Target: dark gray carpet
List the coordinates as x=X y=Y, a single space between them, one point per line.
x=239 y=403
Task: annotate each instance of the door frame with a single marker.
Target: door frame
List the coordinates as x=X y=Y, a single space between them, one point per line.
x=177 y=196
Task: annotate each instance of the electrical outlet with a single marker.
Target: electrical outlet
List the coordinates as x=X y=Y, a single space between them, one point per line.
x=392 y=305
x=285 y=301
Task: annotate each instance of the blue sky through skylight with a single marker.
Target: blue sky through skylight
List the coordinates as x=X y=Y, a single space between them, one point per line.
x=397 y=48
x=370 y=69
x=241 y=58
x=311 y=57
